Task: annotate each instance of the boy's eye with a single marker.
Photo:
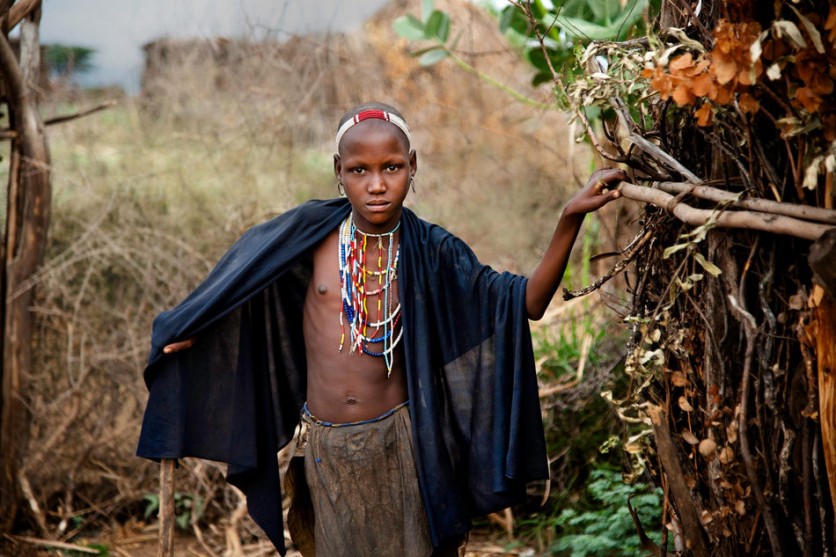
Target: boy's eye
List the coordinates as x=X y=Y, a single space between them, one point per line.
x=357 y=170
x=392 y=168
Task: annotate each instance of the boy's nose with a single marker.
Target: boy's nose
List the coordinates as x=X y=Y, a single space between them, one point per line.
x=377 y=183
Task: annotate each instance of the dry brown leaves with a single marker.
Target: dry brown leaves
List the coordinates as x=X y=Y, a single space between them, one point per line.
x=794 y=57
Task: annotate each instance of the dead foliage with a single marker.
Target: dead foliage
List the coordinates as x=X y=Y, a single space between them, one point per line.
x=732 y=340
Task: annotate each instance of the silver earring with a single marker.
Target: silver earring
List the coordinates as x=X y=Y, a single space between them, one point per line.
x=412 y=183
x=340 y=188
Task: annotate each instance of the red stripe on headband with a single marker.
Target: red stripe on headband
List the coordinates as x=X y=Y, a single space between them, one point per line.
x=371 y=114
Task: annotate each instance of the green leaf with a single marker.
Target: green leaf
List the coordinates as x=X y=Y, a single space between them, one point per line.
x=426 y=9
x=513 y=18
x=603 y=10
x=603 y=30
x=153 y=504
x=438 y=26
x=541 y=78
x=410 y=28
x=182 y=521
x=537 y=59
x=434 y=56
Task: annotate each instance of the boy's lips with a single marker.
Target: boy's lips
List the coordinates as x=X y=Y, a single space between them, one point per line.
x=377 y=206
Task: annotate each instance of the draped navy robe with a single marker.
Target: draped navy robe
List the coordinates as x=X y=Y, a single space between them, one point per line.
x=236 y=394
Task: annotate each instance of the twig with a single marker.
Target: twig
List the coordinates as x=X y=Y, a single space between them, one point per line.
x=26 y=488
x=617 y=269
x=750 y=330
x=662 y=157
x=805 y=212
x=559 y=388
x=765 y=222
x=51 y=543
x=646 y=543
x=68 y=117
x=9 y=133
x=516 y=95
x=558 y=82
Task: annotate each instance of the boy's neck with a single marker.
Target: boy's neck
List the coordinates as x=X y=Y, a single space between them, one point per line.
x=375 y=234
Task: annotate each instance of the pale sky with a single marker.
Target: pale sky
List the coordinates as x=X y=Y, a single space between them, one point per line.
x=117 y=29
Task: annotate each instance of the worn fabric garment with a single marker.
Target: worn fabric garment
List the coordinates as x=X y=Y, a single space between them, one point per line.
x=236 y=394
x=364 y=488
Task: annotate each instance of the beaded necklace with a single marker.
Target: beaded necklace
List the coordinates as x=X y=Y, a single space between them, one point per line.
x=357 y=283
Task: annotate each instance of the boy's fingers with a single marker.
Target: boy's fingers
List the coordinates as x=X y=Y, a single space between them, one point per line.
x=175 y=346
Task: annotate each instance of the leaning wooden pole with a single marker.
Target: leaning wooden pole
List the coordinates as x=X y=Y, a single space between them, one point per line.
x=28 y=211
x=167 y=507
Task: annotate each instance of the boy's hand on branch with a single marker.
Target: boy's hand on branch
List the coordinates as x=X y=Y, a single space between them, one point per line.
x=599 y=190
x=177 y=346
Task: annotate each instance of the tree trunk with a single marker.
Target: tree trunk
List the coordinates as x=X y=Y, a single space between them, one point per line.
x=29 y=197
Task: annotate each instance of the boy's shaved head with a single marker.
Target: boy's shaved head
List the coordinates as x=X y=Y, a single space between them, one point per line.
x=381 y=107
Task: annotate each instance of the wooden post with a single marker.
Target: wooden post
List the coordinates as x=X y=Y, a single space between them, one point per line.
x=167 y=507
x=666 y=449
x=824 y=334
x=23 y=247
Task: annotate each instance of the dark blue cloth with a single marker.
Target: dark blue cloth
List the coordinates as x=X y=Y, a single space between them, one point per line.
x=236 y=395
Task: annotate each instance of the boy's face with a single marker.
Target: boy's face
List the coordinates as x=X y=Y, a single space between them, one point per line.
x=375 y=169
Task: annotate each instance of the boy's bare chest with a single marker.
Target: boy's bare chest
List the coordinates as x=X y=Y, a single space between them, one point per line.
x=370 y=278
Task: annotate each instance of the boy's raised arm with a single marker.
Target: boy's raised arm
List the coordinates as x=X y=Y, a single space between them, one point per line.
x=545 y=279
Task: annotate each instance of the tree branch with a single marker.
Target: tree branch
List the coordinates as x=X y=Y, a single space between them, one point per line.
x=20 y=11
x=69 y=117
x=685 y=506
x=618 y=268
x=765 y=222
x=804 y=212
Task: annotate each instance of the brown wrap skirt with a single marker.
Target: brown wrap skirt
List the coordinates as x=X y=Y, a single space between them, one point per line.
x=363 y=497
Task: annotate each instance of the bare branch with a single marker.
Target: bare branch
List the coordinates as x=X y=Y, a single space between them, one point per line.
x=20 y=11
x=805 y=212
x=54 y=544
x=765 y=222
x=617 y=269
x=69 y=117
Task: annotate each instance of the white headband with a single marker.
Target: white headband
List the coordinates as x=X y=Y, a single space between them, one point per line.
x=374 y=115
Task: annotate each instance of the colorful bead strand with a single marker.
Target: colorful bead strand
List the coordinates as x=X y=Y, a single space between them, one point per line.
x=354 y=291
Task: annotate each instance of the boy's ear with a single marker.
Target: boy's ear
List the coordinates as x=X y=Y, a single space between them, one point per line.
x=338 y=166
x=413 y=161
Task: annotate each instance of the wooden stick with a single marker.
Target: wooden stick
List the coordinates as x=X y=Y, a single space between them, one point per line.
x=68 y=117
x=689 y=519
x=765 y=222
x=662 y=157
x=21 y=10
x=52 y=543
x=823 y=328
x=9 y=133
x=167 y=507
x=804 y=212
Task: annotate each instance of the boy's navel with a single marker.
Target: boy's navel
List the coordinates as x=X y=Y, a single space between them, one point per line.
x=322 y=289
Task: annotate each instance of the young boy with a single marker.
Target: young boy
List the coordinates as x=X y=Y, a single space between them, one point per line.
x=408 y=360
